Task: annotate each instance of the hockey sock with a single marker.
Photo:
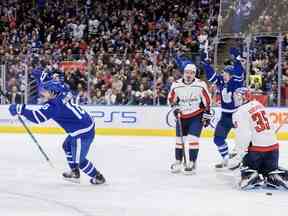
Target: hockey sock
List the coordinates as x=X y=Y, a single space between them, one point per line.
x=179 y=151
x=87 y=167
x=193 y=151
x=223 y=150
x=222 y=146
x=70 y=160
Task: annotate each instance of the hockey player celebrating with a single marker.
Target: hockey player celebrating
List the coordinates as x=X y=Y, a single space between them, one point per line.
x=231 y=79
x=74 y=120
x=256 y=144
x=191 y=99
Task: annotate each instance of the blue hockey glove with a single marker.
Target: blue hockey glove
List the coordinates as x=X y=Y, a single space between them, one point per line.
x=234 y=53
x=15 y=109
x=206 y=118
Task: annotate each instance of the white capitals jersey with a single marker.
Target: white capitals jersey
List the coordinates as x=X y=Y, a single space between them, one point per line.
x=253 y=128
x=192 y=99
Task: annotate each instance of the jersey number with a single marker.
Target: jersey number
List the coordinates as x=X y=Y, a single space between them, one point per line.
x=261 y=121
x=226 y=96
x=77 y=110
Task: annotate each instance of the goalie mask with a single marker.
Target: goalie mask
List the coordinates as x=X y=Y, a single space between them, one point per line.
x=189 y=73
x=242 y=96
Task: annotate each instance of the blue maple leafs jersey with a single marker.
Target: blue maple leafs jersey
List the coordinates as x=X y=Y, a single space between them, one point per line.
x=71 y=117
x=226 y=89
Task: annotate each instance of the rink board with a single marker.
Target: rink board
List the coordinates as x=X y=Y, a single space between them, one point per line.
x=133 y=121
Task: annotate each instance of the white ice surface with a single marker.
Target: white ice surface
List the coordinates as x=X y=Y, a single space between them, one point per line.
x=139 y=182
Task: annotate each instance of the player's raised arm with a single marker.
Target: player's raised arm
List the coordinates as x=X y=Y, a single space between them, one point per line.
x=239 y=71
x=211 y=74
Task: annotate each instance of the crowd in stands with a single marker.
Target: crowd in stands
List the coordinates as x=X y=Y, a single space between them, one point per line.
x=125 y=47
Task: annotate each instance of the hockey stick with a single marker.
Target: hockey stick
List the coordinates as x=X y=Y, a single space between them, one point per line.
x=181 y=137
x=279 y=127
x=30 y=133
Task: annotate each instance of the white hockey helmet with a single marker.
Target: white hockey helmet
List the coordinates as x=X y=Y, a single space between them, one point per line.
x=190 y=67
x=241 y=96
x=189 y=73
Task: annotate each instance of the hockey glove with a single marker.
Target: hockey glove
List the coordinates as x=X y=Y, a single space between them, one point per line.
x=176 y=112
x=234 y=53
x=174 y=102
x=15 y=109
x=206 y=118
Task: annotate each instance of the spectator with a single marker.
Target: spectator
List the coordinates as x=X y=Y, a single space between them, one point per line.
x=14 y=96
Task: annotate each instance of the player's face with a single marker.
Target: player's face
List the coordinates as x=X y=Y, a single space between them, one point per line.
x=46 y=95
x=189 y=76
x=226 y=77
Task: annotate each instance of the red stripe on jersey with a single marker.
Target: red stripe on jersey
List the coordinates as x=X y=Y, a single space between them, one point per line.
x=190 y=115
x=207 y=98
x=263 y=148
x=172 y=97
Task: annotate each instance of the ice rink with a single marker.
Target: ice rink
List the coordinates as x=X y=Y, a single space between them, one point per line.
x=138 y=181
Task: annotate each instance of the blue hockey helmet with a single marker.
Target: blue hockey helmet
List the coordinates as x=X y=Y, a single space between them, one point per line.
x=52 y=86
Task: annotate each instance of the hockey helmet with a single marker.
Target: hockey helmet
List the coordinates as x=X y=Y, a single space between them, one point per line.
x=190 y=67
x=241 y=96
x=52 y=86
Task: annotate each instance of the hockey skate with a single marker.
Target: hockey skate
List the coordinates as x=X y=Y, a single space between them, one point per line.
x=277 y=179
x=250 y=179
x=98 y=179
x=72 y=176
x=190 y=168
x=176 y=167
x=223 y=165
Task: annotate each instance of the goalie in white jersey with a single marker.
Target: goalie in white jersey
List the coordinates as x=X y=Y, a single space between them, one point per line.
x=192 y=100
x=256 y=144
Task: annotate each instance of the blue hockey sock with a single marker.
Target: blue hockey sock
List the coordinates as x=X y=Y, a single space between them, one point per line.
x=179 y=152
x=87 y=167
x=70 y=160
x=222 y=146
x=193 y=151
x=223 y=150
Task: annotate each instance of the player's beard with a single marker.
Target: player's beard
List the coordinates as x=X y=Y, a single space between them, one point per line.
x=188 y=80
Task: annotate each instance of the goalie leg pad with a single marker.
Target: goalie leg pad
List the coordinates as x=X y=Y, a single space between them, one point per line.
x=250 y=179
x=277 y=179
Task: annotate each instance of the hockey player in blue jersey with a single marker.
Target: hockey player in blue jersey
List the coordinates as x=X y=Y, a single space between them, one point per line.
x=76 y=122
x=231 y=79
